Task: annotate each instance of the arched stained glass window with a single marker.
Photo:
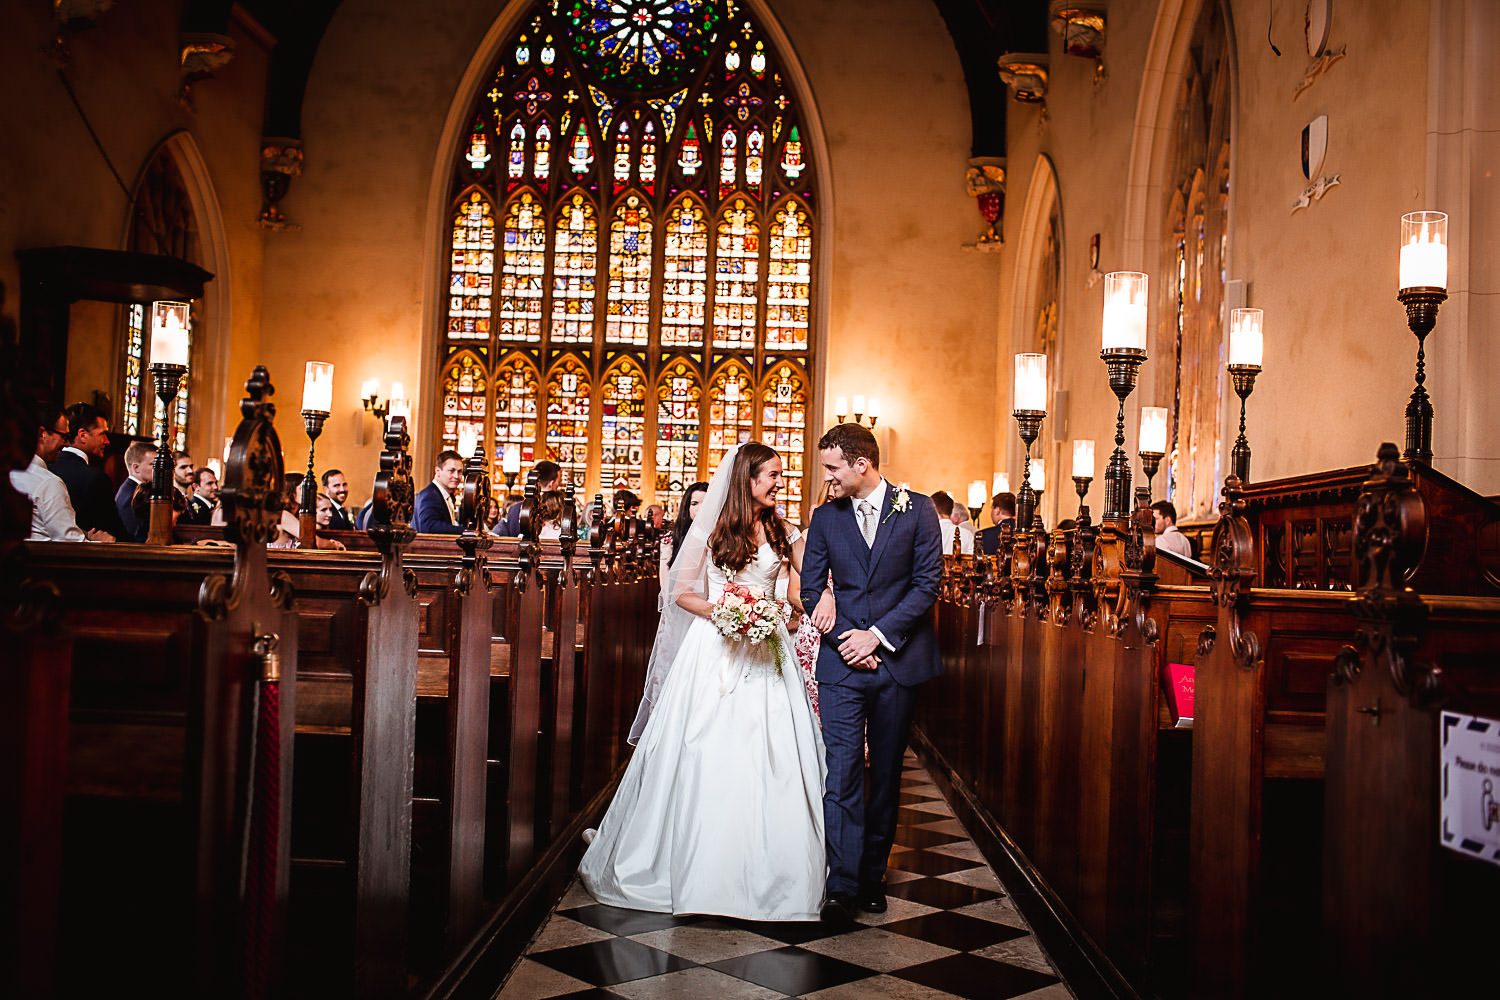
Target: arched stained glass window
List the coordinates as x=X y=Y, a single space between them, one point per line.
x=622 y=435
x=629 y=274
x=678 y=422
x=471 y=275
x=516 y=407
x=568 y=394
x=783 y=427
x=135 y=354
x=685 y=274
x=650 y=180
x=521 y=272
x=731 y=415
x=575 y=261
x=465 y=391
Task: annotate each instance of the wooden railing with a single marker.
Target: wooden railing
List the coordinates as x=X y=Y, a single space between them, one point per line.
x=452 y=713
x=1294 y=825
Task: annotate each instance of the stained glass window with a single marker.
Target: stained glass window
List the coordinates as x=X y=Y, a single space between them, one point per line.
x=464 y=392
x=736 y=276
x=521 y=272
x=789 y=280
x=568 y=394
x=471 y=274
x=731 y=415
x=575 y=261
x=135 y=354
x=629 y=312
x=516 y=407
x=622 y=430
x=684 y=275
x=678 y=396
x=783 y=426
x=647 y=166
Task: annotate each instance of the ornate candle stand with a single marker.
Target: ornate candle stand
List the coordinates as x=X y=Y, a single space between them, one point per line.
x=1150 y=462
x=1081 y=485
x=1029 y=423
x=307 y=512
x=1421 y=316
x=168 y=380
x=1124 y=365
x=1244 y=385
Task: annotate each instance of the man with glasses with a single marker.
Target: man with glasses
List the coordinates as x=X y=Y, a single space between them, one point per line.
x=52 y=517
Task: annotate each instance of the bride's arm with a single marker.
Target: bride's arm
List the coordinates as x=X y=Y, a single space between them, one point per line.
x=694 y=604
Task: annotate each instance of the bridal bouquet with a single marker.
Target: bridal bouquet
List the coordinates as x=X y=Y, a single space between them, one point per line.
x=750 y=614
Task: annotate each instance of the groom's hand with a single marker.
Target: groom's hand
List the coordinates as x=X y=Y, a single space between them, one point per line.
x=857 y=644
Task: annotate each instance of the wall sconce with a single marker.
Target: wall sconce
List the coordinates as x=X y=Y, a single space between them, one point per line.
x=369 y=395
x=1424 y=287
x=1000 y=483
x=861 y=409
x=1123 y=353
x=1246 y=347
x=399 y=405
x=1083 y=472
x=317 y=403
x=171 y=330
x=1151 y=442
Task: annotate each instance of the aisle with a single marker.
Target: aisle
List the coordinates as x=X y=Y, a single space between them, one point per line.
x=950 y=932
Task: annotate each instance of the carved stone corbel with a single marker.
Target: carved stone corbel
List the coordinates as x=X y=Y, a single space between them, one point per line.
x=251 y=497
x=1233 y=573
x=1390 y=531
x=394 y=492
x=280 y=161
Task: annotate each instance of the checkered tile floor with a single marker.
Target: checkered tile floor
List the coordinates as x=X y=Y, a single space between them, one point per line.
x=950 y=932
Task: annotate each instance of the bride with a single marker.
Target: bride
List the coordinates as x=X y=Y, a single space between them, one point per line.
x=720 y=810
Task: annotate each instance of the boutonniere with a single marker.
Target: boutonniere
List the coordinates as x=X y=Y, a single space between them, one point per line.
x=900 y=504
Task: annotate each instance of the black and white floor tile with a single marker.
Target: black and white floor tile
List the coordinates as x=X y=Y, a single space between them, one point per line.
x=950 y=932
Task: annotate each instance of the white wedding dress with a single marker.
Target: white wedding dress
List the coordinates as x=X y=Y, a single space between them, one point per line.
x=720 y=810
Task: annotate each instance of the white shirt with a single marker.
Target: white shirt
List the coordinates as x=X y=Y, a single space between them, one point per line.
x=1174 y=541
x=966 y=537
x=448 y=499
x=52 y=516
x=80 y=454
x=876 y=499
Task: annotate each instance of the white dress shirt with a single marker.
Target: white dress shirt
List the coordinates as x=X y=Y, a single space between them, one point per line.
x=876 y=499
x=52 y=516
x=1175 y=542
x=966 y=537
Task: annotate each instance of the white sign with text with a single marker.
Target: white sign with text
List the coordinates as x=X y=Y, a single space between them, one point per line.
x=1469 y=750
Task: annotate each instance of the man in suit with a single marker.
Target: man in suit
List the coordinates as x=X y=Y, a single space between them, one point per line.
x=1002 y=512
x=182 y=475
x=547 y=476
x=51 y=512
x=139 y=458
x=885 y=553
x=437 y=507
x=78 y=466
x=205 y=498
x=337 y=489
x=948 y=526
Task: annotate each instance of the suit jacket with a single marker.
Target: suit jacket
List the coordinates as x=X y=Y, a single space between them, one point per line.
x=339 y=519
x=432 y=516
x=133 y=525
x=200 y=511
x=92 y=493
x=891 y=585
x=989 y=539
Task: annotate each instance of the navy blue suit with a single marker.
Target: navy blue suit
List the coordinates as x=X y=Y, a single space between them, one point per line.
x=431 y=515
x=890 y=585
x=124 y=497
x=92 y=494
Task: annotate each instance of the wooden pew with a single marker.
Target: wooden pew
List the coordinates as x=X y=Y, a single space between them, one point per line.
x=171 y=813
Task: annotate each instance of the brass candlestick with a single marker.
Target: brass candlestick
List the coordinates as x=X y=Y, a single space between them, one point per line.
x=1081 y=484
x=1124 y=365
x=167 y=379
x=1029 y=423
x=307 y=513
x=1244 y=385
x=1421 y=316
x=1150 y=462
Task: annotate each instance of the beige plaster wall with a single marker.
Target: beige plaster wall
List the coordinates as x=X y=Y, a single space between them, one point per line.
x=57 y=189
x=910 y=316
x=1339 y=359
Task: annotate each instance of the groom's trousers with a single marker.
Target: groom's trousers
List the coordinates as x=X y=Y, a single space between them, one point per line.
x=860 y=828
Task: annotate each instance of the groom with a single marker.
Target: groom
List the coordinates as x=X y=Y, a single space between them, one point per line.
x=883 y=547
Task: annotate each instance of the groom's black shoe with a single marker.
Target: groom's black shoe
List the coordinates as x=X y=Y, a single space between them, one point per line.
x=838 y=910
x=871 y=900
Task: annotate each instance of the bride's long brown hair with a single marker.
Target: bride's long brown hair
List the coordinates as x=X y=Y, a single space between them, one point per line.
x=732 y=543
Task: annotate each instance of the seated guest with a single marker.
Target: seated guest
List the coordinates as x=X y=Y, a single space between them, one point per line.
x=140 y=505
x=961 y=518
x=205 y=498
x=324 y=514
x=436 y=509
x=626 y=503
x=549 y=507
x=1168 y=538
x=51 y=511
x=139 y=458
x=548 y=478
x=1002 y=512
x=948 y=528
x=337 y=489
x=654 y=515
x=182 y=475
x=80 y=466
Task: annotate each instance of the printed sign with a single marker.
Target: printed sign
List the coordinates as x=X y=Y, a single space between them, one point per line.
x=1469 y=750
